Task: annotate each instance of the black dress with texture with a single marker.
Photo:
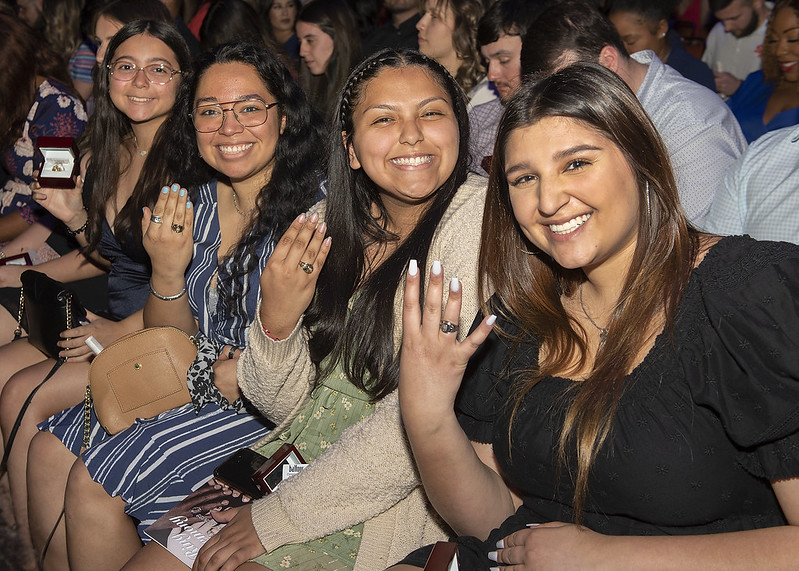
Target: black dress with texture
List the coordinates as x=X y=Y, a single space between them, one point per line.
x=707 y=419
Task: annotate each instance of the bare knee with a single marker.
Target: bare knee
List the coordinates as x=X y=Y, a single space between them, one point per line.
x=14 y=394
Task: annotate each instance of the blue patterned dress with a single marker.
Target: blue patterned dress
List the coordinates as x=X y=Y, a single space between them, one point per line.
x=158 y=461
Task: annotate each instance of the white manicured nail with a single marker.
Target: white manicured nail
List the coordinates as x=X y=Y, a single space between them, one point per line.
x=436 y=269
x=491 y=320
x=454 y=285
x=413 y=268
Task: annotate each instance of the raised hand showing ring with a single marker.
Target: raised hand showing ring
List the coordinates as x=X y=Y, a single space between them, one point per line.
x=169 y=247
x=290 y=274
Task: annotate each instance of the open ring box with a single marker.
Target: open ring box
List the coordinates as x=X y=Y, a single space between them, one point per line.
x=59 y=156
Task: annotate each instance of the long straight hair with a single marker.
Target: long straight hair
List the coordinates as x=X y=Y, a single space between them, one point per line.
x=530 y=286
x=362 y=341
x=109 y=127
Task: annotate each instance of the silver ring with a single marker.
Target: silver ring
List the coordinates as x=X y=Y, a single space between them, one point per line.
x=177 y=228
x=155 y=219
x=448 y=327
x=231 y=353
x=306 y=267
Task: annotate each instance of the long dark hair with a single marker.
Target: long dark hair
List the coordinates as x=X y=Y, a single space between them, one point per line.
x=530 y=286
x=298 y=161
x=336 y=19
x=362 y=342
x=109 y=127
x=24 y=55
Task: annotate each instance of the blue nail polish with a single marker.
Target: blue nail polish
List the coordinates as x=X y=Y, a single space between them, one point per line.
x=165 y=189
x=175 y=187
x=182 y=192
x=188 y=204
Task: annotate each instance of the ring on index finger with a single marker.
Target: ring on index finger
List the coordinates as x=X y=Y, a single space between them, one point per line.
x=448 y=327
x=155 y=219
x=306 y=267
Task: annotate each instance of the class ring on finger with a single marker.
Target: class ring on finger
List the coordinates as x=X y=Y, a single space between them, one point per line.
x=177 y=228
x=155 y=219
x=448 y=327
x=306 y=267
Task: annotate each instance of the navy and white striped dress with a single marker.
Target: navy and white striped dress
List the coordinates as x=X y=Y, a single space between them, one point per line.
x=159 y=461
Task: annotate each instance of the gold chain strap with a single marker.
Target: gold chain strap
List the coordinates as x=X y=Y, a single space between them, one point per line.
x=18 y=330
x=69 y=311
x=87 y=416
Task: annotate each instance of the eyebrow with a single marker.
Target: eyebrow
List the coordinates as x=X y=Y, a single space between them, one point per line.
x=202 y=100
x=389 y=107
x=560 y=155
x=149 y=61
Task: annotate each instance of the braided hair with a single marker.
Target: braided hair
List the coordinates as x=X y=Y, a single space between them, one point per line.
x=362 y=340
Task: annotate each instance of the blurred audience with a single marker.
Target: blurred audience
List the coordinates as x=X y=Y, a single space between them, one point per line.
x=399 y=31
x=769 y=98
x=329 y=47
x=734 y=44
x=644 y=25
x=36 y=99
x=229 y=21
x=281 y=17
x=761 y=190
x=701 y=134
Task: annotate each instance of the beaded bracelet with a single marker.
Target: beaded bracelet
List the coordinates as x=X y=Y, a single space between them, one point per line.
x=82 y=228
x=167 y=297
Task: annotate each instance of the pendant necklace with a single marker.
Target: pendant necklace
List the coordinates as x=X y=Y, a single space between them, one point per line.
x=603 y=331
x=136 y=144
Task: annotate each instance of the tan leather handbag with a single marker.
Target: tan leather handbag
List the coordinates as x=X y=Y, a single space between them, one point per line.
x=140 y=376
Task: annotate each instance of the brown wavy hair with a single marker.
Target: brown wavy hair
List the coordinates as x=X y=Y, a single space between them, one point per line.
x=464 y=39
x=771 y=68
x=530 y=287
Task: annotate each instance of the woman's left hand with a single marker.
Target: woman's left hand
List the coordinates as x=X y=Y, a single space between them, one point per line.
x=553 y=545
x=167 y=232
x=225 y=374
x=234 y=545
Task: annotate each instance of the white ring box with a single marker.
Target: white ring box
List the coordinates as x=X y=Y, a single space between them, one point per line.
x=59 y=162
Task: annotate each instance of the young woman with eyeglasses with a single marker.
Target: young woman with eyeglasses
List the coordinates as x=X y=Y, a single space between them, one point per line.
x=103 y=213
x=246 y=126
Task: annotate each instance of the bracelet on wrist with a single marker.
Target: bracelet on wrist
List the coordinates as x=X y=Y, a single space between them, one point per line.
x=2 y=254
x=82 y=228
x=167 y=297
x=272 y=337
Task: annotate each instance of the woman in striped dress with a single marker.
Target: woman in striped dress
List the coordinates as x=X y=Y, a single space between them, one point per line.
x=255 y=129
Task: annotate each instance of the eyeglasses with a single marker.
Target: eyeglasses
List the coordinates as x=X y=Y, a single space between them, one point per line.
x=249 y=113
x=157 y=73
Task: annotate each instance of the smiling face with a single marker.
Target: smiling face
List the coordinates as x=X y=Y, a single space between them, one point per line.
x=282 y=15
x=405 y=140
x=435 y=34
x=504 y=58
x=244 y=154
x=785 y=43
x=316 y=47
x=573 y=194
x=137 y=98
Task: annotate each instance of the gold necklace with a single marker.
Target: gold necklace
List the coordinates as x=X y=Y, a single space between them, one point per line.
x=136 y=144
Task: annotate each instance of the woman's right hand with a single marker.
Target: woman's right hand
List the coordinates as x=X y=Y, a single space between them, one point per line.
x=432 y=360
x=289 y=279
x=73 y=341
x=66 y=204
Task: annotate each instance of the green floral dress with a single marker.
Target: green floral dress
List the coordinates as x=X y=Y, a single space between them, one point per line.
x=335 y=405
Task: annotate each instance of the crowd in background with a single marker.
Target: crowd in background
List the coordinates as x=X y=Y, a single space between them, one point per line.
x=241 y=121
